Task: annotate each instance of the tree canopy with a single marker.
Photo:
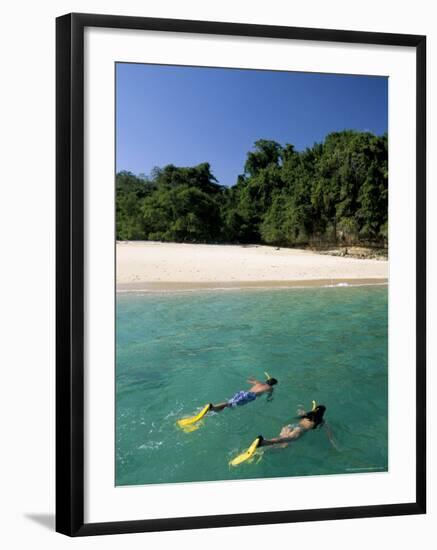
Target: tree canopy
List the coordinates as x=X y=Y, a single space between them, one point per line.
x=335 y=192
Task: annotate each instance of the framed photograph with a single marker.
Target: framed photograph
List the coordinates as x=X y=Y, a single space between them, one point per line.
x=240 y=274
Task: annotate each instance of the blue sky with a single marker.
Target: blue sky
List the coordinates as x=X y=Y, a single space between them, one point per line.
x=188 y=115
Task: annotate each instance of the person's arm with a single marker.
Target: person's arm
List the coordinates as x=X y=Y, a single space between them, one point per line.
x=330 y=436
x=252 y=380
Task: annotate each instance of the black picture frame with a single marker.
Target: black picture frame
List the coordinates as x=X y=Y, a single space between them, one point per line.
x=70 y=273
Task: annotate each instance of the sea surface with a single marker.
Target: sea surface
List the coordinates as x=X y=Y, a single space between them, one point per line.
x=176 y=352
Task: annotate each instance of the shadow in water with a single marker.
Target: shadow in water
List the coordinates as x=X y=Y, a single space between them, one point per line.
x=46 y=520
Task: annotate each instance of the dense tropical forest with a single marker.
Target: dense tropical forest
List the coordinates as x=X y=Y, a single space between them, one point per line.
x=335 y=192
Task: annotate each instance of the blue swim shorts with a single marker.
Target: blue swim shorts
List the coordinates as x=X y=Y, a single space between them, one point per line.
x=241 y=398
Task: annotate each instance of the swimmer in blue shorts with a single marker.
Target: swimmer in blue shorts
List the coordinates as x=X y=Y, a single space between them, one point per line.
x=242 y=397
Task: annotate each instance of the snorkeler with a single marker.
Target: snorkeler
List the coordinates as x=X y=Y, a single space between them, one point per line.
x=242 y=397
x=307 y=421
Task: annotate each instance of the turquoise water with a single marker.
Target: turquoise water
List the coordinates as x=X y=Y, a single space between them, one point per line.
x=177 y=351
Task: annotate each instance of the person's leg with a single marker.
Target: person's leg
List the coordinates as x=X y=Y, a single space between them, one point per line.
x=283 y=439
x=219 y=407
x=286 y=431
x=273 y=441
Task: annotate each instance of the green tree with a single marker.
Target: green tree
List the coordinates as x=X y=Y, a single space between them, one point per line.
x=266 y=153
x=335 y=191
x=130 y=193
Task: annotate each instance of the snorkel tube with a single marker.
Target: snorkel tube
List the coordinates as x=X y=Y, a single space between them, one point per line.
x=270 y=380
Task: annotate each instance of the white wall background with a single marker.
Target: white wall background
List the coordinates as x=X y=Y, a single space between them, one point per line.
x=27 y=123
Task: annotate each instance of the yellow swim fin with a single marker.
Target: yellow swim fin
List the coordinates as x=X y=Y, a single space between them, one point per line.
x=191 y=427
x=247 y=454
x=193 y=419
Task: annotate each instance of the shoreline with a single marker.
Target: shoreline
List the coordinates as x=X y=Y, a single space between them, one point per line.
x=158 y=286
x=145 y=266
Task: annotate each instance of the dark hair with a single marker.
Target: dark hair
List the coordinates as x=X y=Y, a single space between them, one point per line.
x=316 y=415
x=271 y=381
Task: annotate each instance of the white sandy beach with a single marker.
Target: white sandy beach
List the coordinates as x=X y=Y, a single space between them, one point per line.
x=154 y=265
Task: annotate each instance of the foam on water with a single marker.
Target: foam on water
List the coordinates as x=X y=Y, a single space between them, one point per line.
x=243 y=288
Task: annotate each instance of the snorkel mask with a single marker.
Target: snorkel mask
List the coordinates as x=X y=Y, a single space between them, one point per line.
x=270 y=380
x=316 y=413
